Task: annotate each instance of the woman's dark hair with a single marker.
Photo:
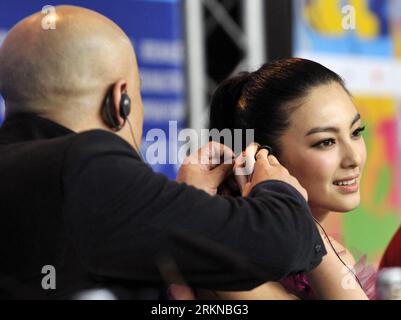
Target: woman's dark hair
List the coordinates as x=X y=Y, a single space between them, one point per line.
x=264 y=100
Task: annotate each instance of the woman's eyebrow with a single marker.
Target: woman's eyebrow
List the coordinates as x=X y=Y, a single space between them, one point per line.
x=332 y=129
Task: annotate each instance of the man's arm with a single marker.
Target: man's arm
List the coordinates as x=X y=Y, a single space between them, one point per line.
x=129 y=223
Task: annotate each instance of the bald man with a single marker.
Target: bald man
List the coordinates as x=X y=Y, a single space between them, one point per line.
x=80 y=209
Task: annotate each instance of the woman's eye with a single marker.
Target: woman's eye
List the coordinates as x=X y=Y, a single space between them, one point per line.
x=358 y=132
x=325 y=143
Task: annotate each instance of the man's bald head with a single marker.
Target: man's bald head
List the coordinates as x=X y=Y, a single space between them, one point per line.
x=68 y=70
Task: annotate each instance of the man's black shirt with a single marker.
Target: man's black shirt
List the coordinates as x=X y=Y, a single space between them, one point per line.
x=86 y=204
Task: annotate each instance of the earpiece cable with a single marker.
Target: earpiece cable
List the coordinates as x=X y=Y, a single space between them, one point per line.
x=324 y=231
x=138 y=149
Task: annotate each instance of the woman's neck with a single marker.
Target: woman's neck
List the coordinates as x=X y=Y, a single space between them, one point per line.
x=320 y=214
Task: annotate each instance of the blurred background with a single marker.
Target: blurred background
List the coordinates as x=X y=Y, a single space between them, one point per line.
x=186 y=47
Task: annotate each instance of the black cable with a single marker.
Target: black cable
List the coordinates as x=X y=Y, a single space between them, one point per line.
x=134 y=140
x=324 y=231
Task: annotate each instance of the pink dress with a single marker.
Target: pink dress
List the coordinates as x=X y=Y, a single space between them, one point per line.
x=299 y=284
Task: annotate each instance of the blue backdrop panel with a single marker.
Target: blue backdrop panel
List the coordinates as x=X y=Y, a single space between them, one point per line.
x=155 y=28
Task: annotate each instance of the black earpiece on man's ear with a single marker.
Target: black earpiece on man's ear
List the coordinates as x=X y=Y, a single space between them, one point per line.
x=125 y=105
x=109 y=115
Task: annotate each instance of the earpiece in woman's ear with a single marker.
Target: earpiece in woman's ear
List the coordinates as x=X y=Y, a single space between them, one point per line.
x=266 y=147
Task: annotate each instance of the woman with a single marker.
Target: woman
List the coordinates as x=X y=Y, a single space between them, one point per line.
x=304 y=112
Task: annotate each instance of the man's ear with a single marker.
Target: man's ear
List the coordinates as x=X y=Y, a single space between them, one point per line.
x=118 y=88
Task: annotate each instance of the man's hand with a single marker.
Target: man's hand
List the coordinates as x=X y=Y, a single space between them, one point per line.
x=207 y=168
x=249 y=172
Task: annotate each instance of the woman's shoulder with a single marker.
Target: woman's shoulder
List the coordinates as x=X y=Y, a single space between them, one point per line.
x=343 y=252
x=365 y=271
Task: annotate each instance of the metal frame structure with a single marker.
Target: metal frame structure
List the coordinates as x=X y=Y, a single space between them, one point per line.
x=247 y=33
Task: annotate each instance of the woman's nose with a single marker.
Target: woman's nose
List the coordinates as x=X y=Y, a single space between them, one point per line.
x=351 y=157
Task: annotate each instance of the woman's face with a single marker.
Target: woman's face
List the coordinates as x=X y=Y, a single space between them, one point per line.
x=323 y=148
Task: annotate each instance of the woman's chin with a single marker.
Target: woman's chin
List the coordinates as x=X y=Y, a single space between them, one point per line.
x=345 y=205
x=341 y=204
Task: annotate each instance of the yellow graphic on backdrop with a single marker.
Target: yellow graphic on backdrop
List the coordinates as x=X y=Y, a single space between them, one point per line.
x=326 y=17
x=367 y=24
